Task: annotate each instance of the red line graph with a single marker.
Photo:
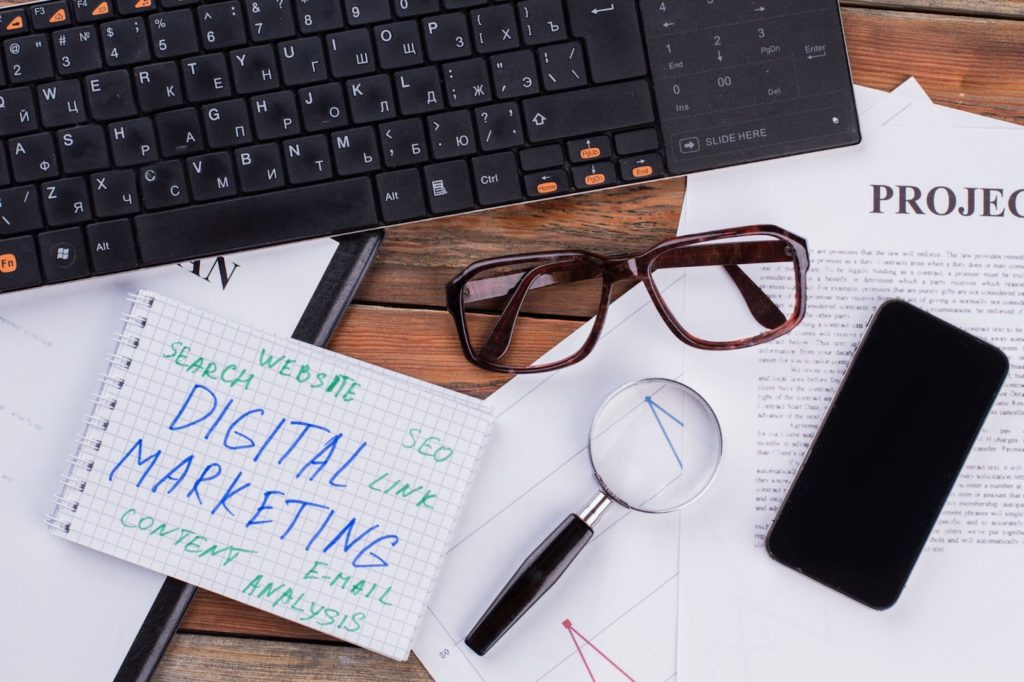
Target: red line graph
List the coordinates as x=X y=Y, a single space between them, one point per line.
x=574 y=633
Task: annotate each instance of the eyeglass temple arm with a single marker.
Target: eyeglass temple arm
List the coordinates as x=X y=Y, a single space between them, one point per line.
x=497 y=342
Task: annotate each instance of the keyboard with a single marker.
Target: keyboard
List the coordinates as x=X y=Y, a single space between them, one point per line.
x=137 y=133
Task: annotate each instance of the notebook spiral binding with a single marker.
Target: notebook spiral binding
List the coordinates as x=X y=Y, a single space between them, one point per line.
x=104 y=401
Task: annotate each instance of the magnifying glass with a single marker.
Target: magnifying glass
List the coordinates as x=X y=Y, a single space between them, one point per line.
x=655 y=445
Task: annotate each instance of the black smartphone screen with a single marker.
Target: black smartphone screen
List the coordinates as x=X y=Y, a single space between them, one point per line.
x=887 y=455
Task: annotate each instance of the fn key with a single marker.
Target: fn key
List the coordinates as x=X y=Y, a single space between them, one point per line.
x=111 y=246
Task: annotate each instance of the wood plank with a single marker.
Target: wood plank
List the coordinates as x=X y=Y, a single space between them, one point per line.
x=970 y=63
x=1007 y=9
x=200 y=658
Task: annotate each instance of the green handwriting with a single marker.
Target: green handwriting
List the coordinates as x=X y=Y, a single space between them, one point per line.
x=339 y=385
x=181 y=355
x=189 y=541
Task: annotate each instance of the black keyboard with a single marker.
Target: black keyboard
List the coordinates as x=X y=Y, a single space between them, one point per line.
x=143 y=132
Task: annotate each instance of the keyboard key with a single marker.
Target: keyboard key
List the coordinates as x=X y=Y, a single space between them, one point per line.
x=127 y=7
x=594 y=175
x=447 y=37
x=109 y=95
x=546 y=184
x=636 y=141
x=227 y=124
x=33 y=157
x=611 y=32
x=645 y=167
x=580 y=112
x=308 y=159
x=260 y=168
x=173 y=34
x=561 y=67
x=419 y=91
x=17 y=112
x=448 y=187
x=355 y=151
x=542 y=21
x=19 y=264
x=515 y=74
x=111 y=246
x=179 y=132
x=495 y=29
x=412 y=8
x=222 y=25
x=398 y=45
x=61 y=104
x=317 y=16
x=83 y=149
x=275 y=115
x=66 y=202
x=270 y=19
x=497 y=179
x=211 y=177
x=163 y=185
x=77 y=50
x=158 y=86
x=133 y=142
x=28 y=59
x=323 y=107
x=358 y=12
x=589 y=149
x=255 y=70
x=499 y=127
x=302 y=61
x=62 y=253
x=451 y=134
x=13 y=22
x=19 y=211
x=114 y=193
x=351 y=53
x=401 y=196
x=205 y=78
x=536 y=158
x=50 y=15
x=274 y=217
x=466 y=82
x=91 y=10
x=125 y=42
x=371 y=99
x=403 y=143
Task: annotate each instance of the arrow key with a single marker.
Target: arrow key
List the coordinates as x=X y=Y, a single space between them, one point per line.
x=547 y=184
x=594 y=175
x=641 y=168
x=590 y=149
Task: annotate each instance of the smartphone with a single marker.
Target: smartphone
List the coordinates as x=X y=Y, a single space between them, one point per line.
x=887 y=454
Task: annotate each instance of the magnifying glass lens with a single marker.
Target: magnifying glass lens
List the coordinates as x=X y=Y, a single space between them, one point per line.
x=655 y=445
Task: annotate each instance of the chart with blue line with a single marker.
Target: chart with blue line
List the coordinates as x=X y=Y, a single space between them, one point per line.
x=658 y=412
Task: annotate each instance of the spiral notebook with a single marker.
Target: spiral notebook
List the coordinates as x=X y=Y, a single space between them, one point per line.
x=305 y=483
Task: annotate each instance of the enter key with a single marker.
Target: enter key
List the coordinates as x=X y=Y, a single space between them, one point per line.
x=610 y=29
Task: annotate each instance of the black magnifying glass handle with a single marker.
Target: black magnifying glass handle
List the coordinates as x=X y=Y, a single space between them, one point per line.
x=539 y=572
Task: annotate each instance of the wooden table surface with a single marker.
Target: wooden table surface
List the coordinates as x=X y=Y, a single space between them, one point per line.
x=966 y=53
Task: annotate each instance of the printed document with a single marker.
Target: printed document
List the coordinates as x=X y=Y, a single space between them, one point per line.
x=72 y=613
x=919 y=211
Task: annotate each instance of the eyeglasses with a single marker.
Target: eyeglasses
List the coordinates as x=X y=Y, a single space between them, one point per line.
x=718 y=290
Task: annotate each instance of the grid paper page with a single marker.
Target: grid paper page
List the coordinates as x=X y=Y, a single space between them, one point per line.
x=305 y=483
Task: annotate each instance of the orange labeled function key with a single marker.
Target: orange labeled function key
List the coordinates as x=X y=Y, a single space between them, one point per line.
x=546 y=183
x=8 y=263
x=590 y=148
x=646 y=167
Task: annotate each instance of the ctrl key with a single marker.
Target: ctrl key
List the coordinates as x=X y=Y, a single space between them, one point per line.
x=19 y=264
x=111 y=246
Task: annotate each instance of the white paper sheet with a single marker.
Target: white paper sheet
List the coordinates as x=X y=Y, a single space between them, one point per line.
x=71 y=613
x=741 y=615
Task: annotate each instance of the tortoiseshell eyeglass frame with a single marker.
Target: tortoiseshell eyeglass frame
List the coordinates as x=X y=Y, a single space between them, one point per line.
x=555 y=267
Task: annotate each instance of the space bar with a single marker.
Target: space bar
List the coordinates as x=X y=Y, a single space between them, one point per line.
x=255 y=221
